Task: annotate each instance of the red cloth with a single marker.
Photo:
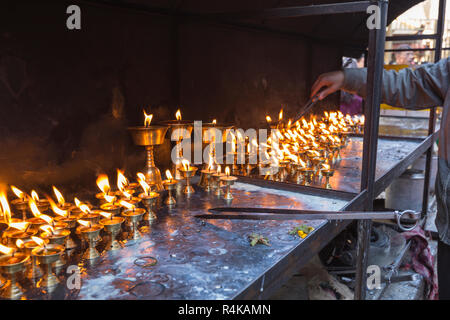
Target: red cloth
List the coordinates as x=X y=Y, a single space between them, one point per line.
x=422 y=260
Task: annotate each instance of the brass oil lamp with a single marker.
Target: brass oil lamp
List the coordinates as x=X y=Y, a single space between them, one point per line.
x=47 y=255
x=112 y=225
x=90 y=233
x=188 y=172
x=133 y=216
x=228 y=182
x=179 y=129
x=149 y=136
x=11 y=264
x=327 y=172
x=21 y=203
x=216 y=184
x=170 y=184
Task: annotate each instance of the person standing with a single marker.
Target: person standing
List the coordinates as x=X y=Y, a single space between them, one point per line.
x=426 y=86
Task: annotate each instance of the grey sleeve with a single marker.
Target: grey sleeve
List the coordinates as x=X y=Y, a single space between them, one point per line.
x=412 y=89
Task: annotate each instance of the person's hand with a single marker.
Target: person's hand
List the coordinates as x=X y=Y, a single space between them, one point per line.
x=330 y=82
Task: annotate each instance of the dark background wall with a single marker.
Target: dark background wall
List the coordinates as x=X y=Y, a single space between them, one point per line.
x=66 y=97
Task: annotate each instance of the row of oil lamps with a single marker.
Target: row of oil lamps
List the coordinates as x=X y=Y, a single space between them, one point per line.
x=300 y=152
x=305 y=151
x=41 y=244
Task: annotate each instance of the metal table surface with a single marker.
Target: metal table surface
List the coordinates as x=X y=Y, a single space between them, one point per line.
x=214 y=260
x=196 y=259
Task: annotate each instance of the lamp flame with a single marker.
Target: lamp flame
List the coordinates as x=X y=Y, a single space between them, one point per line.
x=169 y=175
x=122 y=181
x=19 y=225
x=58 y=210
x=6 y=250
x=19 y=244
x=227 y=171
x=103 y=183
x=47 y=228
x=178 y=115
x=84 y=223
x=109 y=199
x=34 y=195
x=5 y=207
x=268 y=119
x=141 y=176
x=148 y=119
x=19 y=193
x=107 y=215
x=59 y=196
x=38 y=241
x=46 y=218
x=126 y=204
x=34 y=208
x=185 y=164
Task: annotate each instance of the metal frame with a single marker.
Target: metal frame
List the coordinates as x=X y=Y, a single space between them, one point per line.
x=272 y=278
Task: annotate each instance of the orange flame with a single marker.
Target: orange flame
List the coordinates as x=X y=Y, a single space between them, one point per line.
x=19 y=193
x=122 y=181
x=103 y=183
x=46 y=218
x=38 y=241
x=280 y=115
x=5 y=207
x=20 y=244
x=148 y=119
x=169 y=175
x=85 y=208
x=178 y=115
x=268 y=119
x=6 y=250
x=34 y=195
x=227 y=171
x=34 y=208
x=140 y=175
x=126 y=204
x=84 y=223
x=185 y=164
x=56 y=209
x=59 y=196
x=47 y=228
x=107 y=215
x=214 y=121
x=109 y=199
x=19 y=225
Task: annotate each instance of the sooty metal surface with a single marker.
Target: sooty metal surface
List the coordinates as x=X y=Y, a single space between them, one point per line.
x=347 y=176
x=196 y=259
x=390 y=151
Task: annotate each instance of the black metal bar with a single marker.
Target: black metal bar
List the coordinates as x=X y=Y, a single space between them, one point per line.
x=272 y=279
x=372 y=112
x=432 y=120
x=410 y=37
x=412 y=50
x=417 y=49
x=295 y=12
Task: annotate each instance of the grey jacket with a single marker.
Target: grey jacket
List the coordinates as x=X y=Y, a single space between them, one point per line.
x=427 y=86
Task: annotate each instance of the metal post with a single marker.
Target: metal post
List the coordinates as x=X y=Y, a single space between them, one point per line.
x=432 y=120
x=372 y=111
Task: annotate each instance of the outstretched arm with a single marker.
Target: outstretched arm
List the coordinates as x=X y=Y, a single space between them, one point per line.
x=414 y=89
